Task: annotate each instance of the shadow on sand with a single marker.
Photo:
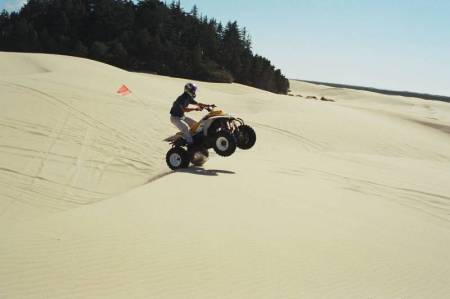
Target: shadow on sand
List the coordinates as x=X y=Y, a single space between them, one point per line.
x=193 y=170
x=202 y=171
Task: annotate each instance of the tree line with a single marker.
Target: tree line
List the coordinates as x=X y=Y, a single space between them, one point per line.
x=148 y=36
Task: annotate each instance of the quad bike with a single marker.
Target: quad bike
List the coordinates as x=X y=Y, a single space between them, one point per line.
x=216 y=130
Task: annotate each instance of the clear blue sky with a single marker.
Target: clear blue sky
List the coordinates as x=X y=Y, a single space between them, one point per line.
x=400 y=45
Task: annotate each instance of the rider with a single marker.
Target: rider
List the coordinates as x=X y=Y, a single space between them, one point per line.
x=180 y=106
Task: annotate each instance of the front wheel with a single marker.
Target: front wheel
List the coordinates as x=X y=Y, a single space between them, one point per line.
x=246 y=137
x=177 y=158
x=224 y=144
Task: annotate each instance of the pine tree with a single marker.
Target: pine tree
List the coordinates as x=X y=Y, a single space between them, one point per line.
x=194 y=11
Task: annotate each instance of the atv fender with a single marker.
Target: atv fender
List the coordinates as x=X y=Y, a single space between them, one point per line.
x=213 y=119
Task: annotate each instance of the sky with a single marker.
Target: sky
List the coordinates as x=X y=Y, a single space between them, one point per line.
x=11 y=5
x=398 y=45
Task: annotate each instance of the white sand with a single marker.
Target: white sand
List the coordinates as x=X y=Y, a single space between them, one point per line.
x=345 y=199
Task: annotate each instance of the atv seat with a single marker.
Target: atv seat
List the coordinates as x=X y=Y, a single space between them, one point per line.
x=179 y=135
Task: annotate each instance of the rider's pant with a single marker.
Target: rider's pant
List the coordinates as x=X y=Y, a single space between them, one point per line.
x=183 y=124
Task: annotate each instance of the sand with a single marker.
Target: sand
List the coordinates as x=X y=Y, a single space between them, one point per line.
x=344 y=199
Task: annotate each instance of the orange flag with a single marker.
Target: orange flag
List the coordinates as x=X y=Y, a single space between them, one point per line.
x=123 y=90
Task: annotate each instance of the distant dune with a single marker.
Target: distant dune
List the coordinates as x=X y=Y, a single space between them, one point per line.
x=343 y=199
x=424 y=96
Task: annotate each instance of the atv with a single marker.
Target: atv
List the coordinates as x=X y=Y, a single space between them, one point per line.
x=217 y=130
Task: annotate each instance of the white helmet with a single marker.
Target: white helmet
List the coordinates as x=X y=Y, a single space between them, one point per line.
x=190 y=89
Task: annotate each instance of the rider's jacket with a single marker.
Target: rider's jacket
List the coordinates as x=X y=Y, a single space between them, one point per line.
x=180 y=103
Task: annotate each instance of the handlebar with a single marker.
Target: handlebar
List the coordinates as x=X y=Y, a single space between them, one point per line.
x=209 y=108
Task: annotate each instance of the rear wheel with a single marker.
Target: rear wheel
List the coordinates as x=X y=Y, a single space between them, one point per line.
x=177 y=158
x=224 y=143
x=245 y=137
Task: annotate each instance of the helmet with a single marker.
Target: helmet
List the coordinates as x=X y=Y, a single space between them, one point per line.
x=190 y=89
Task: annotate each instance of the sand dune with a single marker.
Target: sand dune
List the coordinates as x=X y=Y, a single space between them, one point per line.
x=345 y=199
